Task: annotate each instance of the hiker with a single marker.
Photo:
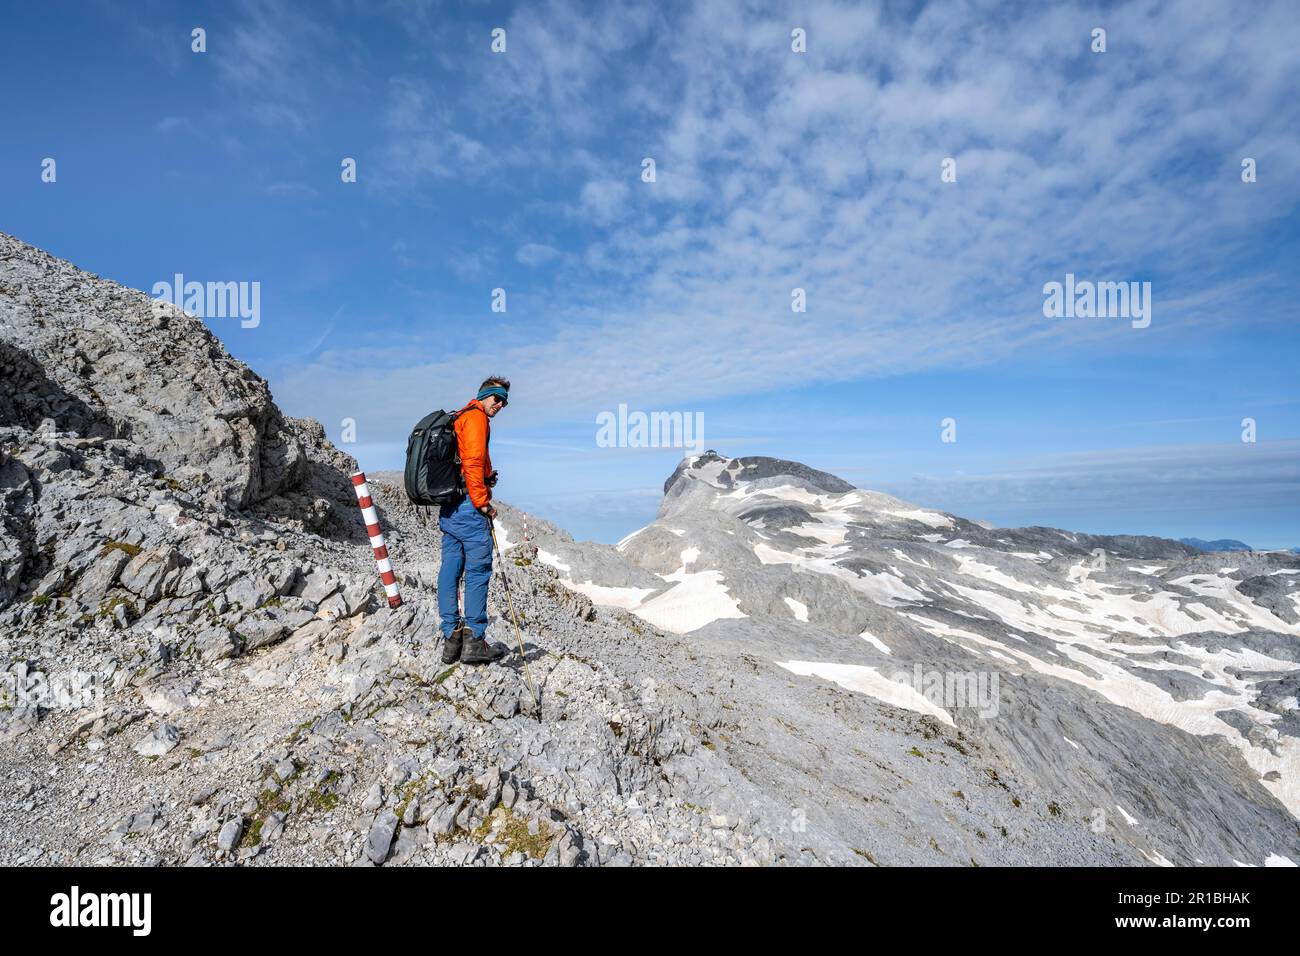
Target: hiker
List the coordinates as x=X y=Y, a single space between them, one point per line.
x=466 y=537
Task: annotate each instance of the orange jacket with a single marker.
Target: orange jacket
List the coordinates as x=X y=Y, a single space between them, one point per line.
x=472 y=435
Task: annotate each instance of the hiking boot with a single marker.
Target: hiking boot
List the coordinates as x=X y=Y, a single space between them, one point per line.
x=452 y=645
x=475 y=650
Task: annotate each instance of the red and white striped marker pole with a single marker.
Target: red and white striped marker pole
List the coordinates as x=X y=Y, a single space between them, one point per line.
x=525 y=527
x=371 y=518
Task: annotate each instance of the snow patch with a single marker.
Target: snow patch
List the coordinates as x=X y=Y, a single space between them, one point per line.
x=694 y=601
x=503 y=537
x=875 y=642
x=869 y=681
x=887 y=589
x=977 y=569
x=553 y=560
x=769 y=555
x=931 y=519
x=623 y=542
x=625 y=598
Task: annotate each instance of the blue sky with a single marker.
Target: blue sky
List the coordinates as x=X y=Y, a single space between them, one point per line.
x=774 y=170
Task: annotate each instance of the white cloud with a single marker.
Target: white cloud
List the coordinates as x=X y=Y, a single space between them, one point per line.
x=269 y=60
x=1153 y=478
x=175 y=124
x=604 y=200
x=533 y=254
x=821 y=171
x=422 y=143
x=291 y=189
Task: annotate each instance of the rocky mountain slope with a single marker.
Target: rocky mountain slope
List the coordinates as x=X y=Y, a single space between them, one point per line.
x=1151 y=687
x=199 y=667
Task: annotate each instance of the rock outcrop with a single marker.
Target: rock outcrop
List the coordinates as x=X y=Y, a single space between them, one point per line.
x=105 y=361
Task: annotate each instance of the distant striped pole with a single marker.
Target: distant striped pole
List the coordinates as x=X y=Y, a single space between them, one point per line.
x=371 y=518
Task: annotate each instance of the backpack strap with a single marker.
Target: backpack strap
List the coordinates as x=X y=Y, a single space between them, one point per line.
x=469 y=406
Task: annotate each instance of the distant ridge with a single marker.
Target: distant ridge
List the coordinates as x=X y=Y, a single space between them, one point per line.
x=1221 y=544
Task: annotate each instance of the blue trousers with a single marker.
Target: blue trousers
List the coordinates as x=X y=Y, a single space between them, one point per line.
x=466 y=550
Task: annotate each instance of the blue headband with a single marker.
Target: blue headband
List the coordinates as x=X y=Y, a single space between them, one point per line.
x=496 y=390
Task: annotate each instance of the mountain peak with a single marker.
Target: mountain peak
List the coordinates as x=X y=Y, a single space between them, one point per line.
x=725 y=473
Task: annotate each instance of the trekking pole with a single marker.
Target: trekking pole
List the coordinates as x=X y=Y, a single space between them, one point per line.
x=505 y=582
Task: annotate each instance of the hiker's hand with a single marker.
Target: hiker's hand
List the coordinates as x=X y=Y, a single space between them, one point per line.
x=491 y=480
x=488 y=512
